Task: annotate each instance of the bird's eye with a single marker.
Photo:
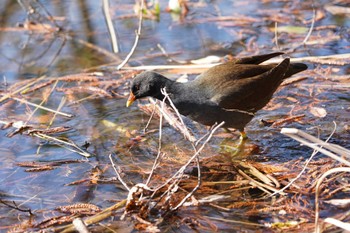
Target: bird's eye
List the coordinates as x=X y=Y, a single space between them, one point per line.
x=136 y=88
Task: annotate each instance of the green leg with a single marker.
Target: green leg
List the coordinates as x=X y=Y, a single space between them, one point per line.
x=243 y=136
x=234 y=149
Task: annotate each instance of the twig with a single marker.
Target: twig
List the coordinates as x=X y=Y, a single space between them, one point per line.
x=138 y=34
x=317 y=214
x=306 y=162
x=317 y=144
x=312 y=24
x=50 y=17
x=157 y=160
x=16 y=207
x=75 y=148
x=8 y=95
x=110 y=26
x=63 y=101
x=180 y=172
x=276 y=36
x=43 y=101
x=168 y=67
x=237 y=222
x=80 y=225
x=345 y=226
x=173 y=121
x=93 y=219
x=182 y=169
x=41 y=107
x=258 y=184
x=117 y=172
x=185 y=130
x=315 y=59
x=151 y=117
x=103 y=51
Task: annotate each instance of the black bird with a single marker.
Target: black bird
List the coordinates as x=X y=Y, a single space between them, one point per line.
x=231 y=92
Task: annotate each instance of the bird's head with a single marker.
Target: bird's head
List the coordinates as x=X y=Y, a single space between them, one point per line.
x=148 y=83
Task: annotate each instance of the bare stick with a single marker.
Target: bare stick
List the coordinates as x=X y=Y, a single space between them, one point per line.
x=16 y=207
x=43 y=101
x=66 y=144
x=151 y=117
x=173 y=121
x=345 y=226
x=8 y=95
x=316 y=59
x=306 y=162
x=276 y=36
x=75 y=148
x=63 y=101
x=178 y=175
x=80 y=226
x=103 y=51
x=186 y=131
x=117 y=172
x=195 y=156
x=106 y=213
x=261 y=186
x=138 y=34
x=157 y=160
x=317 y=144
x=317 y=214
x=42 y=107
x=312 y=24
x=110 y=26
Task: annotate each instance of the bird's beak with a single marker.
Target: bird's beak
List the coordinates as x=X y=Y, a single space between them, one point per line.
x=131 y=100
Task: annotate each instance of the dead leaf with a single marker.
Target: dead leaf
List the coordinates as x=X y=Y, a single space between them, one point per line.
x=318 y=112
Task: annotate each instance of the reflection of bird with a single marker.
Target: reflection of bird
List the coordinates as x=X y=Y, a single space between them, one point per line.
x=231 y=92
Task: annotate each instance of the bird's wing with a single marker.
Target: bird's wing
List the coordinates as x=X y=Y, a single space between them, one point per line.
x=250 y=88
x=256 y=59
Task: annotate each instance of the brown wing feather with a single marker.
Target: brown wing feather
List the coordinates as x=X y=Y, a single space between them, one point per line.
x=256 y=59
x=251 y=86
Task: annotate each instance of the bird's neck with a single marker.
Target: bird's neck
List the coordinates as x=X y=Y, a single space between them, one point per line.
x=169 y=87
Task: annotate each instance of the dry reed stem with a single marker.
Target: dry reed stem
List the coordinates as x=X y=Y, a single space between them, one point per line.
x=69 y=145
x=306 y=163
x=238 y=222
x=158 y=157
x=117 y=172
x=42 y=107
x=259 y=185
x=137 y=36
x=106 y=213
x=110 y=26
x=319 y=182
x=8 y=95
x=324 y=147
x=312 y=24
x=327 y=59
x=98 y=49
x=338 y=223
x=195 y=156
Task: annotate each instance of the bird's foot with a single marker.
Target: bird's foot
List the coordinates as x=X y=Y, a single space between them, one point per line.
x=235 y=149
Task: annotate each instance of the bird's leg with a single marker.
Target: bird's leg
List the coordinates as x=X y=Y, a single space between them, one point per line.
x=243 y=136
x=236 y=149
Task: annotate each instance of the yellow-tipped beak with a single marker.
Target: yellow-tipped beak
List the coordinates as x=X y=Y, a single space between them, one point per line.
x=131 y=99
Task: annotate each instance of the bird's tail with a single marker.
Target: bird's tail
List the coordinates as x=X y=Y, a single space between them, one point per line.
x=295 y=68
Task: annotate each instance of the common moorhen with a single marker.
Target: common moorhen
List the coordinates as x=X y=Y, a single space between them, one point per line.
x=231 y=92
